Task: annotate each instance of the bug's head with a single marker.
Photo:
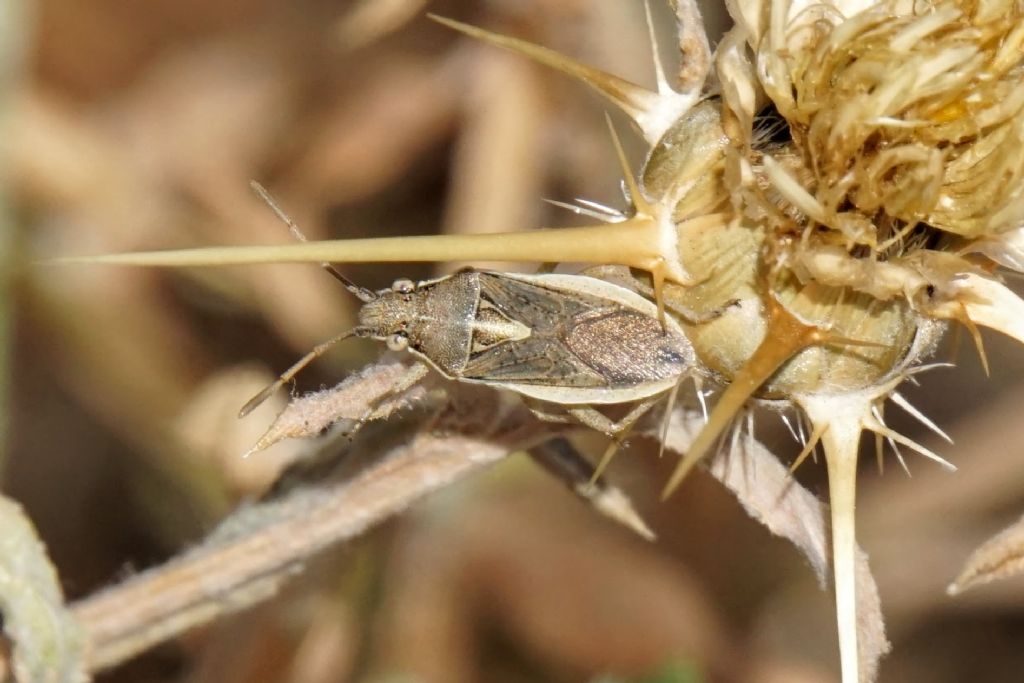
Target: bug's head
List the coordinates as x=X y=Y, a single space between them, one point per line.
x=392 y=314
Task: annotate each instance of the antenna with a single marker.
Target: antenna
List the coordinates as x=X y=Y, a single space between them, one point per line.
x=362 y=293
x=288 y=374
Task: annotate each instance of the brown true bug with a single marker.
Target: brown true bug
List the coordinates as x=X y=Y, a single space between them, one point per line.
x=571 y=340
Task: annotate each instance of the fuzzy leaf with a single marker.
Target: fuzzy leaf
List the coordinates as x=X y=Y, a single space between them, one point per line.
x=1000 y=557
x=47 y=642
x=872 y=643
x=765 y=489
x=374 y=393
x=771 y=496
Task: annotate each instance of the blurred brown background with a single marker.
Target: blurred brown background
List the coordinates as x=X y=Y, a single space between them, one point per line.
x=138 y=125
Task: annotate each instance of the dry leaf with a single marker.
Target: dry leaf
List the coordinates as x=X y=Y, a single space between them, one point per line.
x=771 y=496
x=1002 y=556
x=375 y=392
x=47 y=642
x=765 y=489
x=245 y=560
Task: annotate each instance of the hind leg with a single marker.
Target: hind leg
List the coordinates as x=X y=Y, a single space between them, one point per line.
x=617 y=430
x=541 y=411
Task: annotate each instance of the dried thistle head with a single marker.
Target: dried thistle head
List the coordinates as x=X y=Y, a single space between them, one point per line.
x=903 y=122
x=901 y=162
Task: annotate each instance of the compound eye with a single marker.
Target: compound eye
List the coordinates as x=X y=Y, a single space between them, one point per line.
x=403 y=286
x=397 y=342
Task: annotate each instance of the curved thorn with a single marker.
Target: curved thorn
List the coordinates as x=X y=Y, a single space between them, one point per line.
x=928 y=367
x=631 y=98
x=789 y=428
x=702 y=398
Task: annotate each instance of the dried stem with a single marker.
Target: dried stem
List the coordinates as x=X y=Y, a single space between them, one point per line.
x=841 y=441
x=246 y=560
x=13 y=35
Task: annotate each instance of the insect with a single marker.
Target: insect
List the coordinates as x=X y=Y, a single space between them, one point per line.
x=571 y=340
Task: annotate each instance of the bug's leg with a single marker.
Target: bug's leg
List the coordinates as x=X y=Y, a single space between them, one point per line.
x=542 y=413
x=593 y=418
x=617 y=430
x=559 y=457
x=617 y=275
x=640 y=286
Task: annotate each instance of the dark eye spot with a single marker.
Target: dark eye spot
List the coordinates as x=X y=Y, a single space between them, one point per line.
x=397 y=342
x=403 y=286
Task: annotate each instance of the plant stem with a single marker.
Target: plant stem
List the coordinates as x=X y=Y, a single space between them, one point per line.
x=841 y=440
x=249 y=556
x=14 y=29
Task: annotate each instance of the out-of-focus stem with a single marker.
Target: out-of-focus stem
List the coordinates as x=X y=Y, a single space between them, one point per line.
x=256 y=549
x=14 y=29
x=223 y=576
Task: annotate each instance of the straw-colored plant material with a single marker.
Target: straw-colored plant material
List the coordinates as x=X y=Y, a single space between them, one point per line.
x=46 y=641
x=1002 y=556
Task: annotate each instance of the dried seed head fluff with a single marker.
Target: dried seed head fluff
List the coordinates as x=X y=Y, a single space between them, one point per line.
x=823 y=195
x=906 y=124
